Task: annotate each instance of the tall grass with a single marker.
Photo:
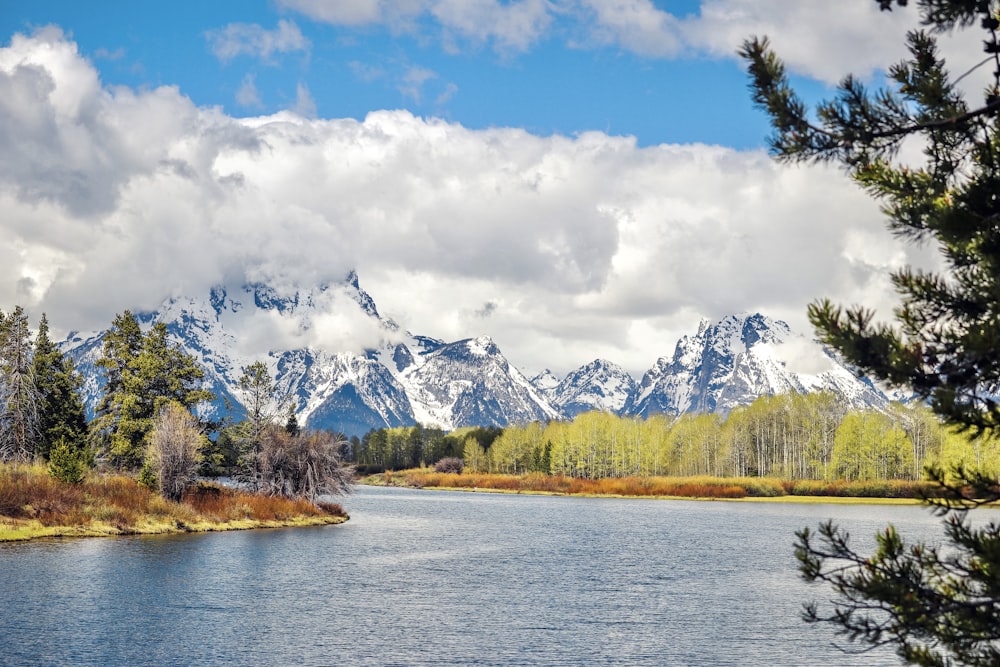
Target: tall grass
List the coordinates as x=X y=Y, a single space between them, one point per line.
x=683 y=487
x=28 y=493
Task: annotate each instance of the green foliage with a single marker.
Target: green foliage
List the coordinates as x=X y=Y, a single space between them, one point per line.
x=790 y=436
x=474 y=455
x=61 y=413
x=936 y=606
x=948 y=327
x=939 y=606
x=19 y=427
x=67 y=463
x=869 y=445
x=144 y=373
x=147 y=476
x=262 y=405
x=292 y=422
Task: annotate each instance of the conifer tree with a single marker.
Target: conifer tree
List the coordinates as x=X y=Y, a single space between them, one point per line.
x=61 y=413
x=19 y=426
x=122 y=343
x=292 y=422
x=144 y=373
x=935 y=608
x=947 y=329
x=262 y=408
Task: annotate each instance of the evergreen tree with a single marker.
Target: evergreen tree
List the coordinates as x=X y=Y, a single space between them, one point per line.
x=144 y=373
x=122 y=344
x=937 y=609
x=944 y=346
x=61 y=413
x=292 y=422
x=66 y=463
x=19 y=426
x=259 y=399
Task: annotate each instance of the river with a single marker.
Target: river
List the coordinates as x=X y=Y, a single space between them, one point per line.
x=444 y=578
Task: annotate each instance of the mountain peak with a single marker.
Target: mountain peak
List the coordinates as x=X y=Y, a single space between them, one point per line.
x=469 y=382
x=733 y=361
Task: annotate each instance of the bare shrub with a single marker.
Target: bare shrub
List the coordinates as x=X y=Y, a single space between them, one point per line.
x=450 y=464
x=303 y=465
x=175 y=450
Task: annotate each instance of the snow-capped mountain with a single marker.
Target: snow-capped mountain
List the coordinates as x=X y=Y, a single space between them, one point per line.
x=396 y=380
x=731 y=362
x=468 y=383
x=345 y=367
x=600 y=385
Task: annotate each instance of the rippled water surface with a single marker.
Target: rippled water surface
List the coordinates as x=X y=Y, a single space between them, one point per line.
x=435 y=578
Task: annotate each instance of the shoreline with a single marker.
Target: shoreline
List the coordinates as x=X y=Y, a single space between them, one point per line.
x=788 y=498
x=24 y=530
x=33 y=505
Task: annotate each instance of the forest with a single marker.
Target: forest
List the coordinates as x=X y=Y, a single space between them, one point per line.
x=789 y=436
x=146 y=424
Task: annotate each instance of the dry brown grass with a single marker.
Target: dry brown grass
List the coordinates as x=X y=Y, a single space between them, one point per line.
x=223 y=504
x=118 y=504
x=682 y=487
x=894 y=488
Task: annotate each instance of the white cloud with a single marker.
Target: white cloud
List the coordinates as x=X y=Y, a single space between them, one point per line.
x=510 y=27
x=248 y=95
x=366 y=72
x=821 y=40
x=632 y=25
x=343 y=12
x=305 y=105
x=250 y=39
x=582 y=247
x=413 y=80
x=333 y=322
x=450 y=90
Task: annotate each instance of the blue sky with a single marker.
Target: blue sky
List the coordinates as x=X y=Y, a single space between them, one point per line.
x=576 y=178
x=350 y=70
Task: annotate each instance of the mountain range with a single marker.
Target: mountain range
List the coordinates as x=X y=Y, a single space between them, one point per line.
x=404 y=379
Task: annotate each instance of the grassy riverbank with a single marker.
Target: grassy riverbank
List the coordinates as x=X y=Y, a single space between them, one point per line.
x=714 y=488
x=33 y=504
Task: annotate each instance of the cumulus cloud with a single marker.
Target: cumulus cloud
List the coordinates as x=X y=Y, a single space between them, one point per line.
x=574 y=247
x=332 y=321
x=821 y=40
x=250 y=39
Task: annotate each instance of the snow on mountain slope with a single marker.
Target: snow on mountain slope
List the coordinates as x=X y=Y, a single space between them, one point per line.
x=230 y=329
x=345 y=367
x=470 y=383
x=731 y=362
x=385 y=383
x=600 y=385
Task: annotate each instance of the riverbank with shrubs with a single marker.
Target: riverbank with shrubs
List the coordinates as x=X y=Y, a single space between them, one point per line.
x=33 y=504
x=697 y=487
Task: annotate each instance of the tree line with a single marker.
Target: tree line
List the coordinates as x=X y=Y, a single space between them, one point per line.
x=146 y=421
x=791 y=436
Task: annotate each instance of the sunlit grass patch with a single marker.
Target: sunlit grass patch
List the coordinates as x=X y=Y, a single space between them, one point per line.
x=33 y=504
